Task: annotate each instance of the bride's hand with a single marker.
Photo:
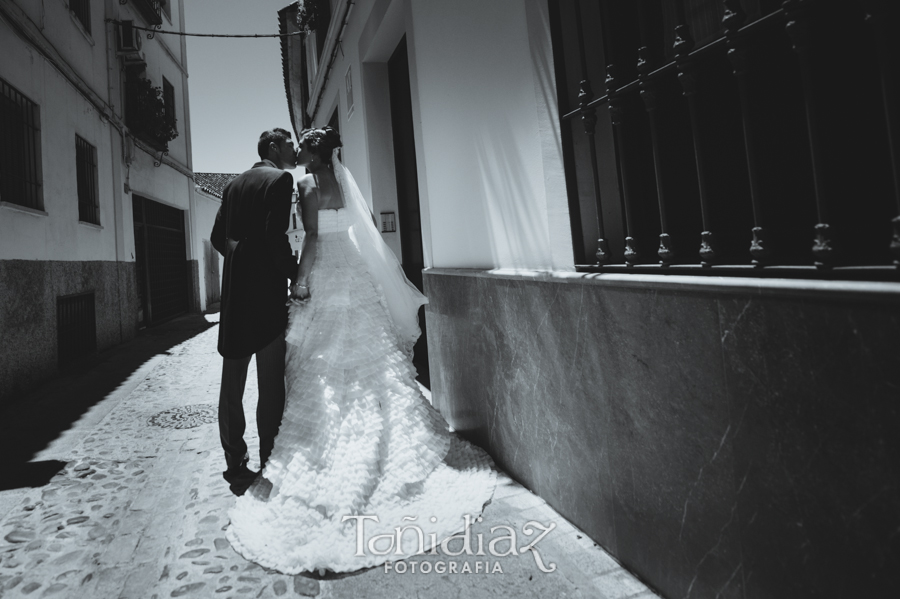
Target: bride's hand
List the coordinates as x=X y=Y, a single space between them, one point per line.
x=299 y=294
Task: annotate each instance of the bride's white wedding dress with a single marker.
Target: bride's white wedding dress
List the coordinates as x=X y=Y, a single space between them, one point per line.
x=358 y=438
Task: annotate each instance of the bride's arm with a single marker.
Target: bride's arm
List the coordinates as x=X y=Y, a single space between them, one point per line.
x=309 y=207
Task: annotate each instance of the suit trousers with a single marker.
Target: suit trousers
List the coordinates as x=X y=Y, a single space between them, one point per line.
x=269 y=409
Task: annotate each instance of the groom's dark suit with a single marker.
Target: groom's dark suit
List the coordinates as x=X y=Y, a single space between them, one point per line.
x=251 y=232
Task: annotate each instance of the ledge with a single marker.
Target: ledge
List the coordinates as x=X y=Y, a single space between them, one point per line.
x=23 y=209
x=745 y=286
x=162 y=158
x=90 y=225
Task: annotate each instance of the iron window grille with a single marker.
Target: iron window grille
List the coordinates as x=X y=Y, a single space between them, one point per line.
x=704 y=136
x=168 y=92
x=82 y=11
x=20 y=149
x=86 y=177
x=76 y=326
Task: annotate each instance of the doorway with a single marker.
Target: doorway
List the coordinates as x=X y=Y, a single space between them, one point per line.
x=160 y=261
x=408 y=213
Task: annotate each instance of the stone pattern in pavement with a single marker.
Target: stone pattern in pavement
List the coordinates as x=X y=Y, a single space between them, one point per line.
x=140 y=509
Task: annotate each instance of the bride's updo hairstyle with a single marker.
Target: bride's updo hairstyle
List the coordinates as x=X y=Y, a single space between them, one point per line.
x=321 y=142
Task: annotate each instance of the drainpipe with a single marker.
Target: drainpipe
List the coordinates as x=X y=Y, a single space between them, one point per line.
x=111 y=90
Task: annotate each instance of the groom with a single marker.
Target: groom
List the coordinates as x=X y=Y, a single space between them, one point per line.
x=251 y=232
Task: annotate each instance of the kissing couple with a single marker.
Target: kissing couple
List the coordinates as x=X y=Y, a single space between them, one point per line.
x=345 y=434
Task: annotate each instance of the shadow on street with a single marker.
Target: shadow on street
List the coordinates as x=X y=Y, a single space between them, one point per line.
x=30 y=422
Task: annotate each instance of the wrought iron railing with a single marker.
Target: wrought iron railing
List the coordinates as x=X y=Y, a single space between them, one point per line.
x=20 y=149
x=767 y=147
x=151 y=10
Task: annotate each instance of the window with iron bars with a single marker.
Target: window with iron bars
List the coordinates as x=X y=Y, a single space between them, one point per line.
x=86 y=176
x=76 y=327
x=169 y=102
x=20 y=149
x=734 y=137
x=82 y=11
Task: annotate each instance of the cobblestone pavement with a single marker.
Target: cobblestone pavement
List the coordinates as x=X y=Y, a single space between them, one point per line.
x=138 y=506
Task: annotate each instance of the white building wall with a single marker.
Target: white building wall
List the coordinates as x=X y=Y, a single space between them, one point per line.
x=57 y=234
x=490 y=170
x=482 y=138
x=206 y=206
x=75 y=78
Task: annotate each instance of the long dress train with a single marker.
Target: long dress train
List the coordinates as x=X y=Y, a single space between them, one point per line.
x=358 y=438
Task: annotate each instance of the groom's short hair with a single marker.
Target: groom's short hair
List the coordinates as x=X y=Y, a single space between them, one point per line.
x=277 y=135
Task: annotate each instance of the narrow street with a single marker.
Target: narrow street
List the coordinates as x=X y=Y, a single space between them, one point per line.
x=115 y=491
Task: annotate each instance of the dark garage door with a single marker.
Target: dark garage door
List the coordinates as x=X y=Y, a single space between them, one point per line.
x=161 y=261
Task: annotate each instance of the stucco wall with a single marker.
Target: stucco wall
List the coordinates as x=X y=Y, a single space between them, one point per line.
x=205 y=209
x=491 y=181
x=74 y=78
x=63 y=114
x=487 y=110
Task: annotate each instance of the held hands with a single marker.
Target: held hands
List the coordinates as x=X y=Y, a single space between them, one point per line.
x=299 y=294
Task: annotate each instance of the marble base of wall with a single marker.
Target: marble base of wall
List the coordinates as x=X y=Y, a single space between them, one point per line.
x=28 y=295
x=721 y=438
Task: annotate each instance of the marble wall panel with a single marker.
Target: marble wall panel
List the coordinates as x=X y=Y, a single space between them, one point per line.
x=508 y=374
x=670 y=451
x=815 y=391
x=729 y=443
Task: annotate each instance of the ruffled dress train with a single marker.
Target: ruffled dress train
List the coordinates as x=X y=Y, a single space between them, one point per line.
x=357 y=440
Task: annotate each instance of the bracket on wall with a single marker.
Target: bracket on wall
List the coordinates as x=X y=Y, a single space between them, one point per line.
x=159 y=159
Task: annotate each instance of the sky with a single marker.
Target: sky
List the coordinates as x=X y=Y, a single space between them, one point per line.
x=236 y=85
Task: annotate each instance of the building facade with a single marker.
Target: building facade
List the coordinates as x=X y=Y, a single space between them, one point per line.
x=98 y=235
x=660 y=245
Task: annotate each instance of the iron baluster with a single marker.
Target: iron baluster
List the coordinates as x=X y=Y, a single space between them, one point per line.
x=876 y=16
x=796 y=13
x=617 y=115
x=589 y=118
x=688 y=77
x=739 y=55
x=649 y=96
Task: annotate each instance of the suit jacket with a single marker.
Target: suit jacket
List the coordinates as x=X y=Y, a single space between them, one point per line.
x=251 y=232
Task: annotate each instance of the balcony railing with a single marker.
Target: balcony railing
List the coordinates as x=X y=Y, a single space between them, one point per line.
x=151 y=10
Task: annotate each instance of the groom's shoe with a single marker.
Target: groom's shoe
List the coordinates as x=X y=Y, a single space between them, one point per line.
x=239 y=479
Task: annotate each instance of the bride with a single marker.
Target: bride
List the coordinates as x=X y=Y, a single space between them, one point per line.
x=364 y=469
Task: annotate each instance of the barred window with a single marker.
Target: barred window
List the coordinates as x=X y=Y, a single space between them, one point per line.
x=169 y=101
x=706 y=136
x=86 y=173
x=20 y=149
x=82 y=11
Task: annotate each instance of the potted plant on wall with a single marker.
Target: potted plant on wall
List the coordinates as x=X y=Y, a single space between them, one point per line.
x=146 y=115
x=310 y=13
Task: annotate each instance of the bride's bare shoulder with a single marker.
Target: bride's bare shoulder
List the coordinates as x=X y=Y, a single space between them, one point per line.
x=306 y=184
